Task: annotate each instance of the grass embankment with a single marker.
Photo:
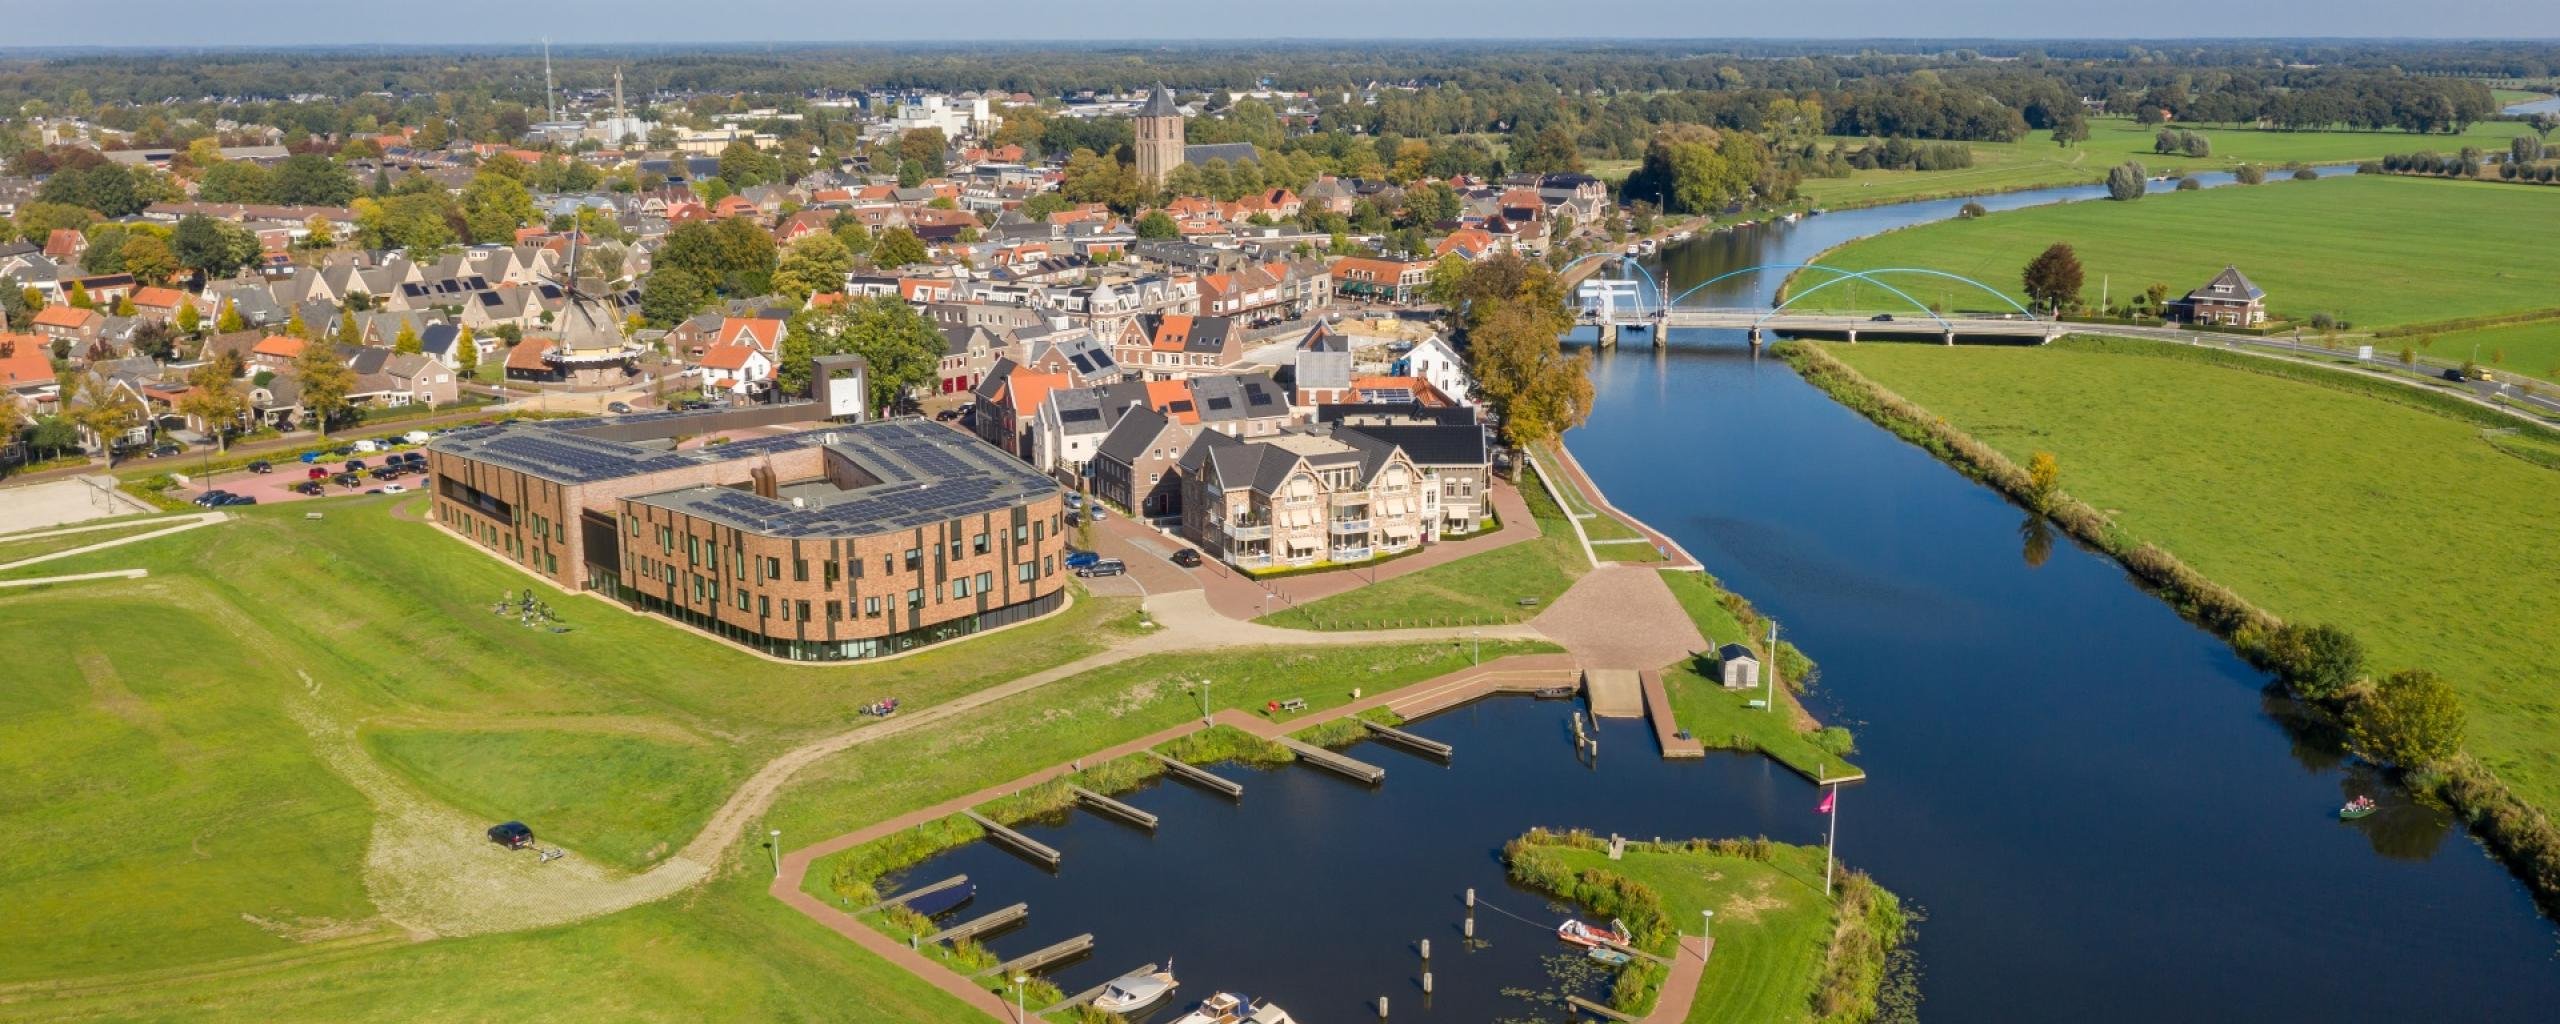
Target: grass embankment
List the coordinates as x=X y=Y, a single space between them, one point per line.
x=17 y=550
x=1480 y=588
x=2531 y=347
x=1724 y=719
x=2035 y=162
x=2347 y=246
x=1784 y=952
x=1613 y=539
x=160 y=791
x=2248 y=488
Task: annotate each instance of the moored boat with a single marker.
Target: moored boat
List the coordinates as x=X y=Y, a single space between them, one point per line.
x=1220 y=1008
x=1608 y=956
x=1581 y=934
x=2359 y=807
x=1132 y=992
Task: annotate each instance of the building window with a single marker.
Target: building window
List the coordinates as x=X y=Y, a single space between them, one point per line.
x=773 y=569
x=979 y=544
x=800 y=570
x=915 y=559
x=960 y=587
x=871 y=607
x=832 y=573
x=1025 y=573
x=835 y=611
x=915 y=597
x=986 y=582
x=800 y=610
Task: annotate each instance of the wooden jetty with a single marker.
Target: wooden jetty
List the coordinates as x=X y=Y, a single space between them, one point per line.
x=1041 y=957
x=1087 y=995
x=1666 y=726
x=1587 y=1006
x=1322 y=758
x=1478 y=685
x=901 y=899
x=980 y=925
x=1392 y=734
x=1199 y=776
x=1115 y=808
x=1022 y=844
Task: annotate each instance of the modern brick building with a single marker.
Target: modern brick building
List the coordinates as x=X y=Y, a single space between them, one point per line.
x=840 y=543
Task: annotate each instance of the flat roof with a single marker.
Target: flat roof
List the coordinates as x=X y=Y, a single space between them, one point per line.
x=908 y=473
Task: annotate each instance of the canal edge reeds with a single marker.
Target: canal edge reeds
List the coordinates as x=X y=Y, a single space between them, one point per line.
x=2522 y=835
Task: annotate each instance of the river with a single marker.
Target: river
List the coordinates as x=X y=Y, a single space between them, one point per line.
x=2103 y=815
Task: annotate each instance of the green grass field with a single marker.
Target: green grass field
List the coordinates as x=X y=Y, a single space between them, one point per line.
x=2374 y=250
x=2531 y=348
x=1724 y=719
x=1772 y=924
x=2403 y=525
x=2035 y=162
x=15 y=550
x=165 y=795
x=1484 y=587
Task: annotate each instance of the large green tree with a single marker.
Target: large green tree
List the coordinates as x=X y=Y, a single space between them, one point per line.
x=2411 y=719
x=897 y=247
x=2053 y=279
x=817 y=263
x=211 y=247
x=494 y=206
x=310 y=179
x=902 y=347
x=732 y=255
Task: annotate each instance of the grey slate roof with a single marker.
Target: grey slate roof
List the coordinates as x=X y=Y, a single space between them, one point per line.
x=1160 y=104
x=1237 y=397
x=1231 y=152
x=1136 y=432
x=1430 y=444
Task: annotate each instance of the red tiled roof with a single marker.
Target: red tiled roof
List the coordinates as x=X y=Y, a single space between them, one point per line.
x=527 y=355
x=29 y=362
x=65 y=316
x=282 y=346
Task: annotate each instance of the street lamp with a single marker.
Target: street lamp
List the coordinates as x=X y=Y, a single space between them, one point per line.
x=1019 y=1012
x=777 y=853
x=1707 y=927
x=1204 y=701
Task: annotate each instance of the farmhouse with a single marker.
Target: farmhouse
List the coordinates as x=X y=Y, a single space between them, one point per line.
x=2229 y=299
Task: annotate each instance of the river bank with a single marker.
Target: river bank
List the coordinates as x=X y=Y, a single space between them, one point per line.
x=2521 y=834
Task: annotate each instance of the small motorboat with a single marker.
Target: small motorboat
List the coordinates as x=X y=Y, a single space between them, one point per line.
x=1133 y=992
x=1222 y=1008
x=1581 y=934
x=2360 y=807
x=1554 y=693
x=1608 y=956
x=1269 y=1014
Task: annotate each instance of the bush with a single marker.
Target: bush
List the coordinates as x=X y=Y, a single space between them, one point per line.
x=2249 y=174
x=2189 y=184
x=2306 y=174
x=2319 y=662
x=1970 y=210
x=2411 y=719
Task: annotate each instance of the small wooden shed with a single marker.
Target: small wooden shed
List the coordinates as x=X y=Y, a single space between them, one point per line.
x=1740 y=667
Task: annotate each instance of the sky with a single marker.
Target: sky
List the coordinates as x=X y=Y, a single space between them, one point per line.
x=393 y=22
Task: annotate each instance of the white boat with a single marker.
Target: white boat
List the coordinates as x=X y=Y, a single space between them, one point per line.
x=1222 y=1008
x=1269 y=1014
x=1135 y=991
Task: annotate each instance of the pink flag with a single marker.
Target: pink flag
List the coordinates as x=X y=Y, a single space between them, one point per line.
x=1827 y=797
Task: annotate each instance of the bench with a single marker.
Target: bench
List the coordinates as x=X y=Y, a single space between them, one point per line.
x=1290 y=705
x=1528 y=602
x=311 y=515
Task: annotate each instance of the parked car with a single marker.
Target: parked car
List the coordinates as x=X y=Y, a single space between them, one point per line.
x=317 y=473
x=344 y=450
x=1187 y=558
x=394 y=489
x=617 y=407
x=1099 y=513
x=417 y=437
x=368 y=446
x=355 y=465
x=166 y=449
x=310 y=457
x=1104 y=567
x=386 y=472
x=2454 y=374
x=1075 y=501
x=235 y=499
x=211 y=498
x=1080 y=559
x=1882 y=318
x=262 y=466
x=513 y=835
x=347 y=479
x=310 y=487
x=417 y=459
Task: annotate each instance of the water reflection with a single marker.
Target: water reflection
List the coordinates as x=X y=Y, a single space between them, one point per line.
x=2035 y=537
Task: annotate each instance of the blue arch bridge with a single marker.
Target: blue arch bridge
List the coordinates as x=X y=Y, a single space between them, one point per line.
x=1637 y=301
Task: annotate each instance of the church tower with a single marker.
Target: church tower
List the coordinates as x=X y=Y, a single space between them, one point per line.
x=1159 y=137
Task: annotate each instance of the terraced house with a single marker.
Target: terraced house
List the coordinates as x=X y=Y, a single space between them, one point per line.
x=1300 y=498
x=833 y=544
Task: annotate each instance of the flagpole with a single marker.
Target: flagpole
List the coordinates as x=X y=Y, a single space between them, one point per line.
x=1832 y=842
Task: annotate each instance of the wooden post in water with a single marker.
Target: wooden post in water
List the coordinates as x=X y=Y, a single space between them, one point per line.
x=1426 y=949
x=1426 y=983
x=1471 y=901
x=1382 y=1007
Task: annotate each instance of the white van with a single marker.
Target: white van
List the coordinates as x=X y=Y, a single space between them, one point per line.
x=368 y=446
x=417 y=437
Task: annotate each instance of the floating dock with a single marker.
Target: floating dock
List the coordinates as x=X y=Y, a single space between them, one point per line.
x=1322 y=758
x=1025 y=845
x=1614 y=692
x=1115 y=808
x=1392 y=734
x=1087 y=995
x=901 y=899
x=1042 y=957
x=980 y=925
x=1199 y=776
x=1666 y=725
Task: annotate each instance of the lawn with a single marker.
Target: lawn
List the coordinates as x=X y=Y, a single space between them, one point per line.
x=1724 y=719
x=2532 y=347
x=1483 y=587
x=15 y=550
x=1773 y=927
x=2035 y=162
x=2350 y=246
x=200 y=824
x=2404 y=525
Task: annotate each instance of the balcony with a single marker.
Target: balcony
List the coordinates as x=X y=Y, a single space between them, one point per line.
x=1341 y=498
x=1248 y=531
x=1350 y=526
x=1358 y=554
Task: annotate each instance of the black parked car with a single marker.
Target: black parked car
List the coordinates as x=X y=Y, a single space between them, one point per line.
x=355 y=465
x=513 y=835
x=1105 y=567
x=166 y=449
x=310 y=487
x=261 y=466
x=212 y=498
x=346 y=479
x=229 y=500
x=1187 y=558
x=2453 y=375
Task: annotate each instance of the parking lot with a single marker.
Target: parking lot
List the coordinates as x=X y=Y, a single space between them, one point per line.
x=277 y=485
